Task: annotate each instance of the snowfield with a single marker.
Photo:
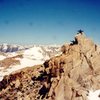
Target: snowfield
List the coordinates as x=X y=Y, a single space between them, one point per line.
x=35 y=53
x=32 y=56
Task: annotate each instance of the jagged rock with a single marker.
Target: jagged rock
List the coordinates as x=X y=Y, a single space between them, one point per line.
x=68 y=76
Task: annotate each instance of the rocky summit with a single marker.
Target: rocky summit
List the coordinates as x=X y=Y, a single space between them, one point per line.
x=71 y=75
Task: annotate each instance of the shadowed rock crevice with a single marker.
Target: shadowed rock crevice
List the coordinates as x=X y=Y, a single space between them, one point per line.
x=74 y=42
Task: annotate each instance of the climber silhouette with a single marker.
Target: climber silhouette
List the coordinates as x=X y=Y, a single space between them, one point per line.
x=80 y=32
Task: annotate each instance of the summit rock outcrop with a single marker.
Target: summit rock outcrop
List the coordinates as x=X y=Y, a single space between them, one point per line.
x=69 y=76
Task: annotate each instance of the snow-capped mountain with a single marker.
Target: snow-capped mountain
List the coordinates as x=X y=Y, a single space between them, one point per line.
x=37 y=54
x=11 y=48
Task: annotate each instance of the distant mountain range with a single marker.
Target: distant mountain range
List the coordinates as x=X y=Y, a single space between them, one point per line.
x=14 y=57
x=12 y=48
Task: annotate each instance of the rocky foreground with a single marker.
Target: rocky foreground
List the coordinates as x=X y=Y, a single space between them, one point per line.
x=69 y=76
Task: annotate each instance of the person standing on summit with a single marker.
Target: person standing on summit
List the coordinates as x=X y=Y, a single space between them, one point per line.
x=80 y=32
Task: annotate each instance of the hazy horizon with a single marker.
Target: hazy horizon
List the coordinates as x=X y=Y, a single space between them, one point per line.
x=48 y=21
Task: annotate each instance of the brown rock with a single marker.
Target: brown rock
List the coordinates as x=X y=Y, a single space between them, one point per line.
x=68 y=76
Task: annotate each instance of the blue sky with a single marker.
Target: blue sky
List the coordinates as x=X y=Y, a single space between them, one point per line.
x=48 y=21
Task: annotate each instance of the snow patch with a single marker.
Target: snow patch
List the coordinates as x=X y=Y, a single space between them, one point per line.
x=11 y=54
x=2 y=57
x=94 y=95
